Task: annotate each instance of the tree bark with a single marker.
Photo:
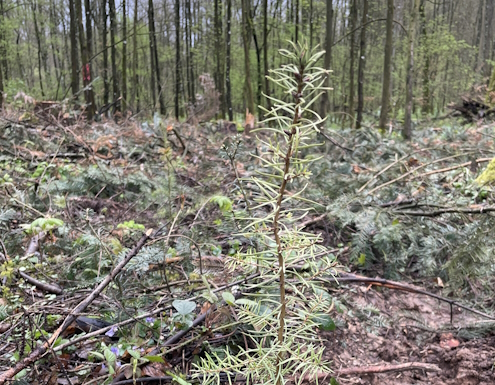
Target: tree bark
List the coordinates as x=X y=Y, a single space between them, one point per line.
x=387 y=65
x=38 y=41
x=151 y=23
x=425 y=105
x=88 y=93
x=325 y=99
x=265 y=54
x=90 y=96
x=407 y=131
x=106 y=85
x=352 y=55
x=113 y=52
x=135 y=80
x=362 y=62
x=189 y=54
x=246 y=34
x=177 y=58
x=220 y=65
x=296 y=21
x=124 y=56
x=228 y=95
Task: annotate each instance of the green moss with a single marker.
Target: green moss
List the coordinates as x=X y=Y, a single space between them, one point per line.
x=487 y=176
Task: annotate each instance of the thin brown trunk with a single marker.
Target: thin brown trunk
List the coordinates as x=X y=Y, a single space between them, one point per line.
x=407 y=131
x=3 y=46
x=426 y=105
x=227 y=60
x=90 y=96
x=296 y=22
x=265 y=53
x=38 y=42
x=362 y=62
x=124 y=56
x=352 y=55
x=84 y=59
x=387 y=64
x=325 y=99
x=106 y=85
x=189 y=54
x=219 y=52
x=151 y=24
x=246 y=34
x=113 y=52
x=177 y=58
x=135 y=81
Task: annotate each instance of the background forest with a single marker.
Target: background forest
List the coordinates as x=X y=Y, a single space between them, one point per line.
x=154 y=54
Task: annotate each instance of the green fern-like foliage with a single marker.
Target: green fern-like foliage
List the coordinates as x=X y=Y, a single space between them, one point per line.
x=288 y=305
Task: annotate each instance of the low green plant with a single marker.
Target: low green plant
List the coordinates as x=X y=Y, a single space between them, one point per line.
x=289 y=304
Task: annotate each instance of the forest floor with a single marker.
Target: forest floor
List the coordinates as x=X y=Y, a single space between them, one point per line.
x=414 y=329
x=107 y=182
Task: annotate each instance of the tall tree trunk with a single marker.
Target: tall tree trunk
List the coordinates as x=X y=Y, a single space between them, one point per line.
x=124 y=56
x=1 y=79
x=90 y=96
x=352 y=55
x=259 y=74
x=74 y=83
x=151 y=24
x=296 y=22
x=38 y=41
x=113 y=52
x=310 y=24
x=3 y=44
x=325 y=99
x=425 y=105
x=387 y=65
x=228 y=96
x=189 y=53
x=177 y=58
x=481 y=46
x=106 y=85
x=362 y=62
x=135 y=80
x=265 y=54
x=88 y=93
x=246 y=37
x=161 y=97
x=219 y=52
x=407 y=131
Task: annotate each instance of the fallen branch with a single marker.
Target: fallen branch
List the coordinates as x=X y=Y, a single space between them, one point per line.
x=342 y=277
x=414 y=170
x=54 y=289
x=390 y=166
x=374 y=369
x=38 y=352
x=448 y=210
x=446 y=169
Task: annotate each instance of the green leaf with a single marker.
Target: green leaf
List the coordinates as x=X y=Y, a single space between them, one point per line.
x=97 y=355
x=178 y=379
x=362 y=259
x=154 y=359
x=134 y=353
x=333 y=381
x=325 y=322
x=228 y=297
x=110 y=357
x=184 y=307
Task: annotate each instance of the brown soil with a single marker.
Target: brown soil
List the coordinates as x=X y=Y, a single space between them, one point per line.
x=391 y=327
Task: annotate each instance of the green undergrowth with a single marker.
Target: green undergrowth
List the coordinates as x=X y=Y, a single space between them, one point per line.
x=92 y=203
